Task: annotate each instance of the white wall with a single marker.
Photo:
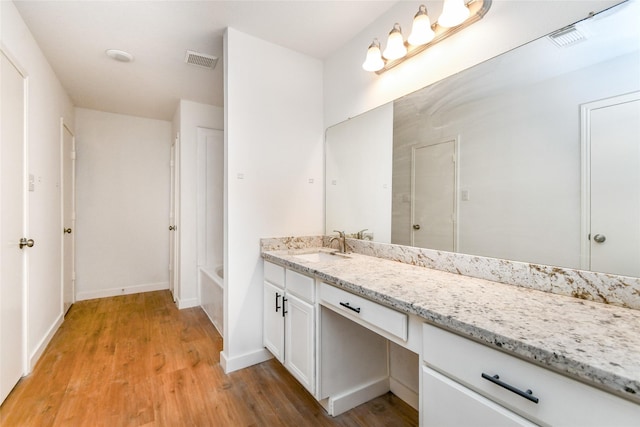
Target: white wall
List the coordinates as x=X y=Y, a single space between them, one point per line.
x=273 y=145
x=47 y=103
x=122 y=181
x=349 y=90
x=190 y=116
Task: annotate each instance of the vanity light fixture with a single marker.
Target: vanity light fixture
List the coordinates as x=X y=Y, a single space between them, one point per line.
x=456 y=15
x=421 y=31
x=395 y=44
x=454 y=12
x=374 y=60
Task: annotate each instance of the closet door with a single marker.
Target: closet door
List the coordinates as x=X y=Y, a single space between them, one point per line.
x=12 y=226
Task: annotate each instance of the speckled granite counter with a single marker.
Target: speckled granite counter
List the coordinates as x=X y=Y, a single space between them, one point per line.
x=596 y=343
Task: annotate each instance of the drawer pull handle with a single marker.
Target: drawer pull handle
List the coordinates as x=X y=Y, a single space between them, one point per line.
x=277 y=298
x=346 y=304
x=526 y=394
x=284 y=306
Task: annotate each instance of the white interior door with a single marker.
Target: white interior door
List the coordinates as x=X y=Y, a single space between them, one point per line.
x=614 y=145
x=68 y=217
x=433 y=198
x=12 y=225
x=173 y=218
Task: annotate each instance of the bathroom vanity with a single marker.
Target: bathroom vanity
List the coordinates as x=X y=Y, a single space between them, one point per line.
x=489 y=353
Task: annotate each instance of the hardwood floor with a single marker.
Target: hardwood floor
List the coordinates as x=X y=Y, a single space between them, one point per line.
x=137 y=360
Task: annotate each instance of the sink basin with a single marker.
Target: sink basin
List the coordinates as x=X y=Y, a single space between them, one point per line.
x=321 y=256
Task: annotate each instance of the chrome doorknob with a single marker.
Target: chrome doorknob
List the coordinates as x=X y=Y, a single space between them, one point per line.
x=599 y=238
x=416 y=226
x=28 y=243
x=67 y=230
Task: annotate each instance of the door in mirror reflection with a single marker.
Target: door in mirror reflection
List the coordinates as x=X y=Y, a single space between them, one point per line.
x=433 y=196
x=614 y=145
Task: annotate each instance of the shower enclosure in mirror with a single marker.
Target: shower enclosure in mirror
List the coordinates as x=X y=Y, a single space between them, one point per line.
x=532 y=156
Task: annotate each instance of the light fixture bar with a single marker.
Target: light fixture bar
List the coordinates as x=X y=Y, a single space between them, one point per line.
x=477 y=9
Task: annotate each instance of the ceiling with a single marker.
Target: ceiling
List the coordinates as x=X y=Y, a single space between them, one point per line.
x=74 y=36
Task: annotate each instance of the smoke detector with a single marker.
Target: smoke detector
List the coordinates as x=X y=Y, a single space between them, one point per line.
x=119 y=55
x=201 y=59
x=567 y=36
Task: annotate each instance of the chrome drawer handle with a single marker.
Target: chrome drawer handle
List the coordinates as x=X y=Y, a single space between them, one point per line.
x=526 y=394
x=346 y=304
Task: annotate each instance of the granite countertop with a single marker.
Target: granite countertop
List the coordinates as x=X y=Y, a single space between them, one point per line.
x=596 y=343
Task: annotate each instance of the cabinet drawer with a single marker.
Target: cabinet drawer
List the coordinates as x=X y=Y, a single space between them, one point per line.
x=300 y=285
x=274 y=273
x=562 y=401
x=441 y=394
x=372 y=313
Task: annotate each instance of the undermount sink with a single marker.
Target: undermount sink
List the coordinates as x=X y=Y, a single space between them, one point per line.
x=321 y=256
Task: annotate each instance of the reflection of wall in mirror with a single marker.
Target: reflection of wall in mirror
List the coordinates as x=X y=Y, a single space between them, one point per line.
x=519 y=163
x=358 y=174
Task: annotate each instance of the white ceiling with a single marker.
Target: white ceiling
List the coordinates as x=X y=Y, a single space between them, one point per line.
x=75 y=34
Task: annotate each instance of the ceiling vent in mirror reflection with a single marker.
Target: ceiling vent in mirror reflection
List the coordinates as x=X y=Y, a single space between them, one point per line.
x=567 y=36
x=201 y=59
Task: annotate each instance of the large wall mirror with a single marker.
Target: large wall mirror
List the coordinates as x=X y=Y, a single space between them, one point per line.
x=531 y=156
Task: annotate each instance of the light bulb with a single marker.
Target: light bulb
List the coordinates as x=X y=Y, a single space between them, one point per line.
x=454 y=12
x=421 y=32
x=374 y=61
x=395 y=44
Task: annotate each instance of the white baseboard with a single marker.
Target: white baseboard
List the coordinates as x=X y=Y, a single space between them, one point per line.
x=243 y=361
x=405 y=394
x=187 y=303
x=44 y=342
x=341 y=403
x=112 y=292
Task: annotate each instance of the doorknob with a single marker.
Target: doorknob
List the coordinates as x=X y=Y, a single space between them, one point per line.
x=172 y=227
x=599 y=238
x=416 y=226
x=28 y=243
x=67 y=230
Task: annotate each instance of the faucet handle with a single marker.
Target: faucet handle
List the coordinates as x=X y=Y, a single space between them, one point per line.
x=360 y=234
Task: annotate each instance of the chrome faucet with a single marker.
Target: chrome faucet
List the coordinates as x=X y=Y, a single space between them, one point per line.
x=342 y=245
x=360 y=234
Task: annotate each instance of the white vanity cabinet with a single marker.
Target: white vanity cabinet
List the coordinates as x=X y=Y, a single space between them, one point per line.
x=289 y=321
x=468 y=383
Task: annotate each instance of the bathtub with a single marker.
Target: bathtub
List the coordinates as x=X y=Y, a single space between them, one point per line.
x=212 y=294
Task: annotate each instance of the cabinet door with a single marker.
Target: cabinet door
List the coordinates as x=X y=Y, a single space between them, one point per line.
x=273 y=333
x=448 y=403
x=300 y=341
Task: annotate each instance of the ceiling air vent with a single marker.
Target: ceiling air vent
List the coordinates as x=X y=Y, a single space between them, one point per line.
x=567 y=36
x=201 y=59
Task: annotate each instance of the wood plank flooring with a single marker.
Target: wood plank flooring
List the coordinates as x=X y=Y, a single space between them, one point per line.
x=137 y=360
